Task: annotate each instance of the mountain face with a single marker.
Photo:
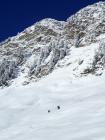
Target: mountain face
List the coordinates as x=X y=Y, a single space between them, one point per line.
x=78 y=43
x=87 y=24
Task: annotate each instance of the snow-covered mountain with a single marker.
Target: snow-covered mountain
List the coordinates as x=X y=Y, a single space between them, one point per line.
x=50 y=44
x=55 y=63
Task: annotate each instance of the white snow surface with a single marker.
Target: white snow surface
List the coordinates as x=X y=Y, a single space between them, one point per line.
x=24 y=109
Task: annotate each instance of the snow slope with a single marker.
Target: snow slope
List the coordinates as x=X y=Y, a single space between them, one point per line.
x=24 y=116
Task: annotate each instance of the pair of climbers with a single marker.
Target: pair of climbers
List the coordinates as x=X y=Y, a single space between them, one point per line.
x=58 y=108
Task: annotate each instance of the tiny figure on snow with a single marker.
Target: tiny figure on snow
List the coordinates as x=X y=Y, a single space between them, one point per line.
x=49 y=111
x=58 y=107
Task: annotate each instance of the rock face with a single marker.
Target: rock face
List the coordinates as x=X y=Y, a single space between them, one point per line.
x=78 y=42
x=87 y=24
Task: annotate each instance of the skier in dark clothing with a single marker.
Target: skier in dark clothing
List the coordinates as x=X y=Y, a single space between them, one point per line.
x=58 y=107
x=49 y=111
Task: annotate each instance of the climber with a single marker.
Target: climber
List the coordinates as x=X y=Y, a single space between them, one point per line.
x=49 y=111
x=58 y=107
